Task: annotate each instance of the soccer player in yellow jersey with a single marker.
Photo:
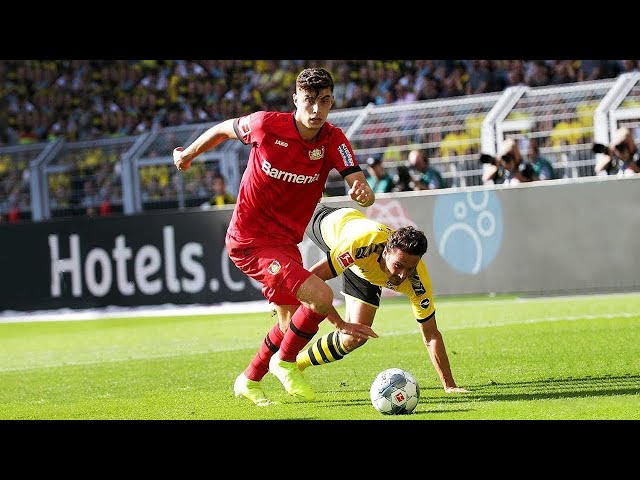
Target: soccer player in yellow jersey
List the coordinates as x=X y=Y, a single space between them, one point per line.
x=370 y=255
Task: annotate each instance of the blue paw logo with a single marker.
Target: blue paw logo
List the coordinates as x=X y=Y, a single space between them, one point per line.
x=468 y=229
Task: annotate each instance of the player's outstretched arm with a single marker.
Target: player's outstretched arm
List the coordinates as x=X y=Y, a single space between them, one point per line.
x=182 y=157
x=356 y=330
x=438 y=354
x=322 y=269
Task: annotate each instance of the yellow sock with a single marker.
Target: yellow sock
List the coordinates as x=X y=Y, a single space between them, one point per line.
x=326 y=349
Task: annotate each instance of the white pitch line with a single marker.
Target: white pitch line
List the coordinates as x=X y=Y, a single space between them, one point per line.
x=389 y=333
x=128 y=358
x=169 y=310
x=504 y=323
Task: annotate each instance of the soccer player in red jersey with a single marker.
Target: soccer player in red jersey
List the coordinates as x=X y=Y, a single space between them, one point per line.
x=290 y=160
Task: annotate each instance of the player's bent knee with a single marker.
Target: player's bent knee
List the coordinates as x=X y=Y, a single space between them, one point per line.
x=317 y=295
x=325 y=300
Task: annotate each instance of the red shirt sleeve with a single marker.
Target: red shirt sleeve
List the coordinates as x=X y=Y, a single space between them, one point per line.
x=248 y=128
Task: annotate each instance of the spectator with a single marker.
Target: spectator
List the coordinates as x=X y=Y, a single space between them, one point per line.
x=379 y=179
x=63 y=98
x=541 y=166
x=425 y=176
x=14 y=214
x=538 y=74
x=429 y=89
x=628 y=66
x=61 y=197
x=79 y=100
x=481 y=78
x=91 y=197
x=515 y=76
x=105 y=208
x=563 y=72
x=592 y=70
x=220 y=194
x=359 y=98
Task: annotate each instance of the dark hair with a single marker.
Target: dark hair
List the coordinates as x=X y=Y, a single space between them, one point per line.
x=314 y=79
x=409 y=240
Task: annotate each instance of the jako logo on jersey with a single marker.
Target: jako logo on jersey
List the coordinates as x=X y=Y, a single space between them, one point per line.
x=317 y=153
x=288 y=176
x=274 y=267
x=425 y=302
x=345 y=259
x=346 y=155
x=281 y=143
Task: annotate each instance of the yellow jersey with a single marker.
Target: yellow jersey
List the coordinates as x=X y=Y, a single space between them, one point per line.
x=357 y=242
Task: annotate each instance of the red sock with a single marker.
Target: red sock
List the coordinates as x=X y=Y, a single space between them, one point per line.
x=259 y=366
x=304 y=325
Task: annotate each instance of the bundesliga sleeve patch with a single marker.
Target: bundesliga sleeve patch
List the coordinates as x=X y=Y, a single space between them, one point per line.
x=346 y=155
x=345 y=260
x=244 y=126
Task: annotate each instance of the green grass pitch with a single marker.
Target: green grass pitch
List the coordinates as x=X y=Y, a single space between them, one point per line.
x=522 y=359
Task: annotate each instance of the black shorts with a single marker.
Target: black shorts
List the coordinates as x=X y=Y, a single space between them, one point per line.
x=352 y=284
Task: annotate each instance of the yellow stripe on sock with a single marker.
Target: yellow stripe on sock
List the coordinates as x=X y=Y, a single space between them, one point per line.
x=328 y=348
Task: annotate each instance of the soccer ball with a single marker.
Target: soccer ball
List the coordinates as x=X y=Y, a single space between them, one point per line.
x=394 y=392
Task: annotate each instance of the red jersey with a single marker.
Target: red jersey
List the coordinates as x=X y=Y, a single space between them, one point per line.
x=285 y=176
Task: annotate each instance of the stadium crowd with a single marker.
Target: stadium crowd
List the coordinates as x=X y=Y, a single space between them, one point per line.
x=87 y=99
x=42 y=100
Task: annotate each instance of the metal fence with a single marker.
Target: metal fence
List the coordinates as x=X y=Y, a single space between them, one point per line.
x=134 y=174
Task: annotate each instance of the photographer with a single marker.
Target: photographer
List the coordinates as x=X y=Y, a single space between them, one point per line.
x=425 y=177
x=541 y=166
x=507 y=167
x=620 y=158
x=378 y=178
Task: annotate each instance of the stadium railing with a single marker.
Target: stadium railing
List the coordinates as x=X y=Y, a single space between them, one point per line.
x=136 y=173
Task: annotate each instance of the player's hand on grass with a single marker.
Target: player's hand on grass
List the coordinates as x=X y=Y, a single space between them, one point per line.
x=455 y=390
x=357 y=330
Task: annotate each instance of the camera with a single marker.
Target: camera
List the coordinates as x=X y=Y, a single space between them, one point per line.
x=600 y=148
x=403 y=179
x=500 y=175
x=508 y=157
x=615 y=163
x=527 y=171
x=621 y=147
x=486 y=158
